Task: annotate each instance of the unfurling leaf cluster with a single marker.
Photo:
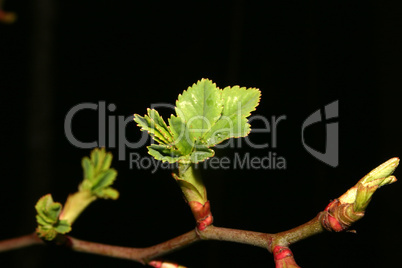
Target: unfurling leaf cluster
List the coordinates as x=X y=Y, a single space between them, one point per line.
x=53 y=219
x=205 y=116
x=49 y=224
x=98 y=176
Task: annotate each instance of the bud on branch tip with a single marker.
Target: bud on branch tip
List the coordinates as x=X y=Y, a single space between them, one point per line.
x=350 y=207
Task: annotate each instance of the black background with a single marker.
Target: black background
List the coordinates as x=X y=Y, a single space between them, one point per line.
x=133 y=54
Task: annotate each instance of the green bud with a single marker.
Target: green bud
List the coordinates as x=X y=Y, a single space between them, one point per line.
x=378 y=177
x=382 y=171
x=49 y=224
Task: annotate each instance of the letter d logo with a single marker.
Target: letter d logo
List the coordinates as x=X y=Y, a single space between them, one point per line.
x=330 y=156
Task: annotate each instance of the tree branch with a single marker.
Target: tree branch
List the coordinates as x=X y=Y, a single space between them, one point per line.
x=141 y=255
x=338 y=216
x=144 y=255
x=20 y=242
x=298 y=233
x=235 y=235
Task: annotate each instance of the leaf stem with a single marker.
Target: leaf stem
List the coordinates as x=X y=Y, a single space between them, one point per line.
x=76 y=203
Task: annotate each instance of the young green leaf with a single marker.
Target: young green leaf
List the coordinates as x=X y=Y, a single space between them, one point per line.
x=238 y=103
x=108 y=193
x=184 y=141
x=201 y=153
x=88 y=168
x=103 y=180
x=160 y=125
x=200 y=106
x=155 y=125
x=166 y=153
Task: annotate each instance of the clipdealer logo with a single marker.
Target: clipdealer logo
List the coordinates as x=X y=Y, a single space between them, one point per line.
x=331 y=154
x=112 y=134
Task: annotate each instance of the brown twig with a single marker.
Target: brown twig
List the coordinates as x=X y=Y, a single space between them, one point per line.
x=342 y=210
x=20 y=242
x=144 y=255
